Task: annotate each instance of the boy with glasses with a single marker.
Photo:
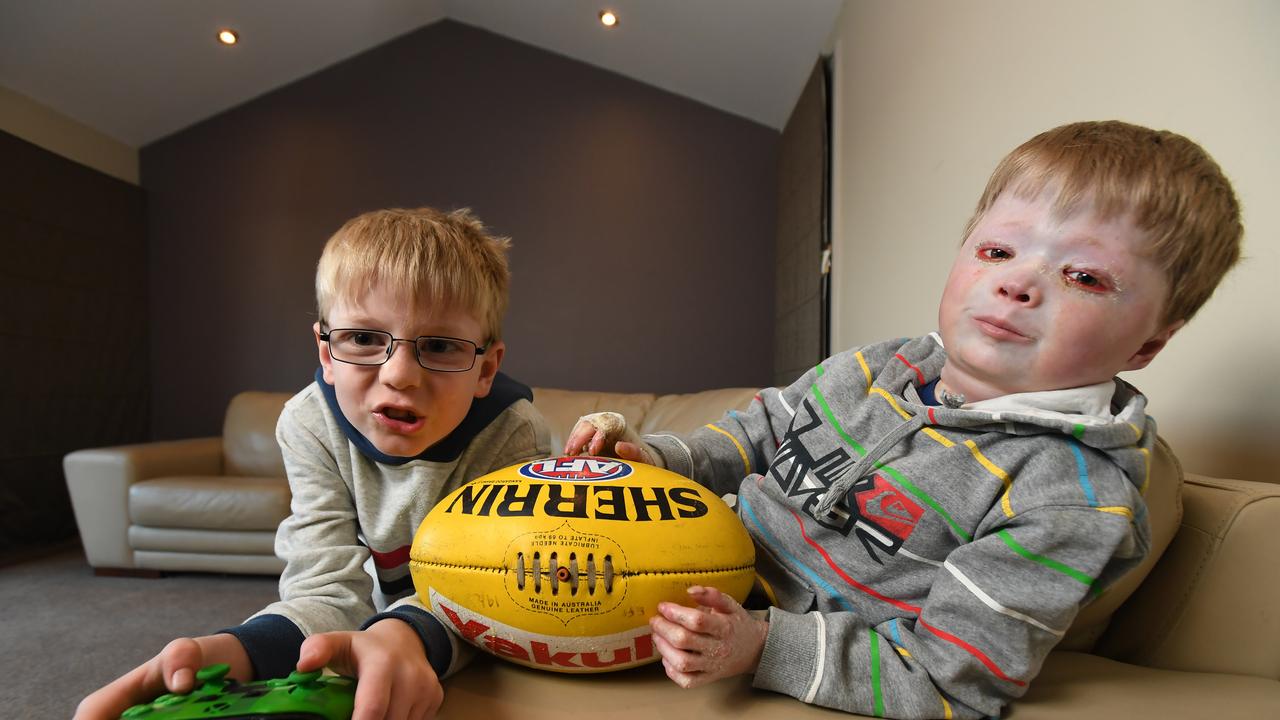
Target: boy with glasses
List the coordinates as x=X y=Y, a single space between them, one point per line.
x=407 y=405
x=931 y=513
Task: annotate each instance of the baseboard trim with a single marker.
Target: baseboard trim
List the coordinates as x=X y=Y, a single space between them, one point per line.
x=128 y=572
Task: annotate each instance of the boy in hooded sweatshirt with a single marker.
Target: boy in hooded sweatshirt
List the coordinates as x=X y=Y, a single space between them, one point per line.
x=931 y=513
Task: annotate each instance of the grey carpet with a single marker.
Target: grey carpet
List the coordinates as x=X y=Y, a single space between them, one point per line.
x=64 y=632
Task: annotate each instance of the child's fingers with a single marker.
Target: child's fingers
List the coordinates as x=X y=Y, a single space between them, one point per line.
x=680 y=665
x=172 y=670
x=598 y=441
x=331 y=649
x=142 y=684
x=679 y=636
x=400 y=699
x=314 y=654
x=373 y=696
x=583 y=434
x=179 y=661
x=712 y=598
x=633 y=452
x=411 y=698
x=694 y=619
x=702 y=619
x=684 y=680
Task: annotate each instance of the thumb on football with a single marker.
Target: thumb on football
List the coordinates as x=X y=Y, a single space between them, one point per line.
x=713 y=599
x=639 y=452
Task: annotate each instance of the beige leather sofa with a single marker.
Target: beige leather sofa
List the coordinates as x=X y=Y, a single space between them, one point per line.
x=213 y=504
x=1193 y=633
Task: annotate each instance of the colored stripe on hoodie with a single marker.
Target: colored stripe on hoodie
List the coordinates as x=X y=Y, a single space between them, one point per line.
x=795 y=562
x=913 y=609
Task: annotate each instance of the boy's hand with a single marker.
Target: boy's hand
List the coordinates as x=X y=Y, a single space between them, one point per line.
x=172 y=670
x=606 y=434
x=395 y=681
x=702 y=644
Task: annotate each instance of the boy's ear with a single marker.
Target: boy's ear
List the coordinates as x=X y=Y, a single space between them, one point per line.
x=1153 y=346
x=489 y=363
x=322 y=347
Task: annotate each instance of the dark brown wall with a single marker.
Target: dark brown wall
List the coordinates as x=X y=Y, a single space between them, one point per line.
x=73 y=330
x=642 y=221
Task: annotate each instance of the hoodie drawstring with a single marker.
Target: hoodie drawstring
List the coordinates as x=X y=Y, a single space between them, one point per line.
x=839 y=488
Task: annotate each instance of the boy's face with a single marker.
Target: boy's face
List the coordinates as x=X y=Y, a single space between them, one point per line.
x=401 y=407
x=1038 y=303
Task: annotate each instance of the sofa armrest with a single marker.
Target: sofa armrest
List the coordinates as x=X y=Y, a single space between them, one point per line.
x=1210 y=603
x=98 y=480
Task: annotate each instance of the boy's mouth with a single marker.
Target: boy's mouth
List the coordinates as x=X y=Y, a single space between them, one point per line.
x=398 y=417
x=1000 y=329
x=401 y=415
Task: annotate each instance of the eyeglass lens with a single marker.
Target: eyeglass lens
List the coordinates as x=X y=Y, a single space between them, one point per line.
x=370 y=347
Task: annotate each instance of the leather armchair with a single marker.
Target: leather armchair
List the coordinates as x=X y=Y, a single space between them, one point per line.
x=206 y=504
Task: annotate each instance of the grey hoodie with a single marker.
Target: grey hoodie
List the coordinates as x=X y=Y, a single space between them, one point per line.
x=922 y=560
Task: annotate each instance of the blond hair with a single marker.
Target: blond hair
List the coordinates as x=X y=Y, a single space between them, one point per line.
x=424 y=255
x=1167 y=185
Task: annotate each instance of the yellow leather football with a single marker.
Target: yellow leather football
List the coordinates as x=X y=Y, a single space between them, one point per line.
x=559 y=563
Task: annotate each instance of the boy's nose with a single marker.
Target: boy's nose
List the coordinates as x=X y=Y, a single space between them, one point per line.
x=1020 y=288
x=401 y=370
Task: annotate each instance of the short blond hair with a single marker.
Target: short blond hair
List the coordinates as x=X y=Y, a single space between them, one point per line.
x=1168 y=185
x=423 y=254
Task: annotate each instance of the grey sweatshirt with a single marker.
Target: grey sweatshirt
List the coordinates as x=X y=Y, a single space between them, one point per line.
x=922 y=560
x=355 y=512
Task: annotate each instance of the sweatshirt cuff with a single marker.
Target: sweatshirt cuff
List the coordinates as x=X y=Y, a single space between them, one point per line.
x=272 y=643
x=434 y=637
x=787 y=664
x=674 y=453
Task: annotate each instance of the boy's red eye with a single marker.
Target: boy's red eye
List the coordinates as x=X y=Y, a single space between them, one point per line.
x=994 y=253
x=1085 y=279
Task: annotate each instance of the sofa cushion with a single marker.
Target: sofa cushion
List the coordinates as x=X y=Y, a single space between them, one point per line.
x=249 y=435
x=688 y=412
x=220 y=562
x=1078 y=685
x=210 y=503
x=1071 y=686
x=216 y=542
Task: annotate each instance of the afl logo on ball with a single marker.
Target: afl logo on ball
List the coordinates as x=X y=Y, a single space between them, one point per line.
x=576 y=469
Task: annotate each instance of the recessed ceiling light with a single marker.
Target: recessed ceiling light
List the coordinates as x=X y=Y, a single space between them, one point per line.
x=608 y=18
x=227 y=36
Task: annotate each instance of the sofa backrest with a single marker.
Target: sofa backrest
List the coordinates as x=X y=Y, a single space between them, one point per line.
x=690 y=411
x=249 y=445
x=249 y=448
x=562 y=408
x=645 y=412
x=249 y=441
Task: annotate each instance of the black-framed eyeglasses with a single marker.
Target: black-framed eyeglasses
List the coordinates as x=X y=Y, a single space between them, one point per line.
x=357 y=346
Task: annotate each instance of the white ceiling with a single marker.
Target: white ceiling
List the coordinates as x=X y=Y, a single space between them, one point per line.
x=138 y=70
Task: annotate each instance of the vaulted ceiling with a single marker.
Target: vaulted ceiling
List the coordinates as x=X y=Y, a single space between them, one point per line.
x=138 y=70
